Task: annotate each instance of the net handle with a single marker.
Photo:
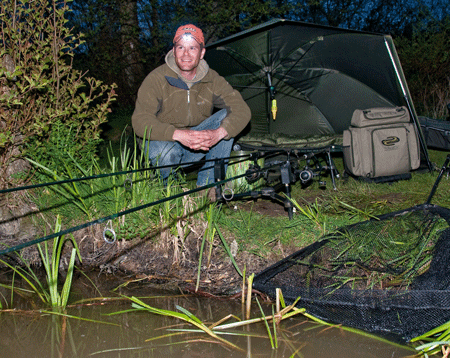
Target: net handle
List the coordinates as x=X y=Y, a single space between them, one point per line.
x=443 y=170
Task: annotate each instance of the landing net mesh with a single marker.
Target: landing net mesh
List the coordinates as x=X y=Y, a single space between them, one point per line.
x=389 y=275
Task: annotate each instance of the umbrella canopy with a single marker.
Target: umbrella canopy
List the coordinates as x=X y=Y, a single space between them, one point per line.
x=317 y=75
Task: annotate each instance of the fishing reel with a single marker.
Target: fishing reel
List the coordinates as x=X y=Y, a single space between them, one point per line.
x=307 y=175
x=253 y=173
x=279 y=169
x=292 y=167
x=317 y=164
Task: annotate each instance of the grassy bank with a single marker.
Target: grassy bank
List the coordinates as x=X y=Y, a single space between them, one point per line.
x=256 y=226
x=257 y=230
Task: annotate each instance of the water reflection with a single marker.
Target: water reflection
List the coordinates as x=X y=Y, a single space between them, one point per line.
x=26 y=334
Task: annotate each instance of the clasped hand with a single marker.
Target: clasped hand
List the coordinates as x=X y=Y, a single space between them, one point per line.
x=199 y=140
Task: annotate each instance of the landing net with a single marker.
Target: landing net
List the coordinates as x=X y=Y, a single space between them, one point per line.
x=389 y=275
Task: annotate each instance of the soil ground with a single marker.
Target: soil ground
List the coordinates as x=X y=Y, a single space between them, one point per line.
x=155 y=263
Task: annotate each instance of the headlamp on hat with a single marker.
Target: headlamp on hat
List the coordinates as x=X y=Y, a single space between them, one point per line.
x=187 y=36
x=189 y=31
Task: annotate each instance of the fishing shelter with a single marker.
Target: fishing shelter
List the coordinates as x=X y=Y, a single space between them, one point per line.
x=303 y=81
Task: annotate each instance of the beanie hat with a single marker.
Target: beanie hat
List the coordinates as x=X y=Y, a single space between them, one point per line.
x=192 y=30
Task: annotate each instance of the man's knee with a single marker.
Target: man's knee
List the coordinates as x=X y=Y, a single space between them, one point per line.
x=163 y=152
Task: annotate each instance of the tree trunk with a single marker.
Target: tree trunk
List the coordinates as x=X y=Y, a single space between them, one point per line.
x=132 y=57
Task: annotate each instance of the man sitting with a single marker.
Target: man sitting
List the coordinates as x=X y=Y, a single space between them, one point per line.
x=175 y=104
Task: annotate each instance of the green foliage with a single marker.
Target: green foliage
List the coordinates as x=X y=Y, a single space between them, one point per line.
x=50 y=294
x=26 y=272
x=43 y=98
x=104 y=195
x=118 y=193
x=228 y=251
x=76 y=193
x=314 y=213
x=62 y=148
x=434 y=341
x=261 y=234
x=215 y=330
x=51 y=264
x=394 y=251
x=425 y=60
x=208 y=236
x=185 y=316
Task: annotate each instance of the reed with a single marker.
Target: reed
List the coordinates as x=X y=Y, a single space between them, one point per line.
x=58 y=298
x=220 y=327
x=183 y=315
x=70 y=191
x=434 y=341
x=50 y=294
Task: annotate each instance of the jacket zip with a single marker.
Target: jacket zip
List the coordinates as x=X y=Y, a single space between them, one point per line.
x=189 y=107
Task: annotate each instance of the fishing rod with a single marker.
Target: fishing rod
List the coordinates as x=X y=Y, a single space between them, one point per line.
x=218 y=166
x=288 y=174
x=114 y=216
x=255 y=155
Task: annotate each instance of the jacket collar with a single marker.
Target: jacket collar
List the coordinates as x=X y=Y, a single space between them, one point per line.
x=202 y=69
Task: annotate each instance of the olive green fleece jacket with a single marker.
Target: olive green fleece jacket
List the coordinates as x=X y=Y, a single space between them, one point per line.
x=166 y=102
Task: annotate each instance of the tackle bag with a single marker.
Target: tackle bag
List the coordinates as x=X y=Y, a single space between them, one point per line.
x=380 y=142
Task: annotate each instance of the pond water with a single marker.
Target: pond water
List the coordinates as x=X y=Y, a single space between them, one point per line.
x=88 y=330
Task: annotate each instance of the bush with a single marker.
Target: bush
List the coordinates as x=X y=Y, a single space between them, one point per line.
x=425 y=60
x=44 y=100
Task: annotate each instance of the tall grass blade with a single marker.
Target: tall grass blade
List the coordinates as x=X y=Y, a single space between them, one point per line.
x=227 y=249
x=51 y=265
x=249 y=295
x=80 y=318
x=200 y=259
x=189 y=314
x=29 y=278
x=68 y=283
x=269 y=333
x=70 y=193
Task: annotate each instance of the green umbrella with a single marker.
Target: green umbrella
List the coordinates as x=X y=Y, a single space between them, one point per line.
x=317 y=75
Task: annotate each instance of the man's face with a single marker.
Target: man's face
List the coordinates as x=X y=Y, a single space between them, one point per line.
x=188 y=54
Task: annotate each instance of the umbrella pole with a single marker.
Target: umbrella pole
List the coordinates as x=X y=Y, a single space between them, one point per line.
x=272 y=97
x=410 y=107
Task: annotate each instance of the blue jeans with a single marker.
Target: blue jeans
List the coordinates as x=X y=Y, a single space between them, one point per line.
x=173 y=153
